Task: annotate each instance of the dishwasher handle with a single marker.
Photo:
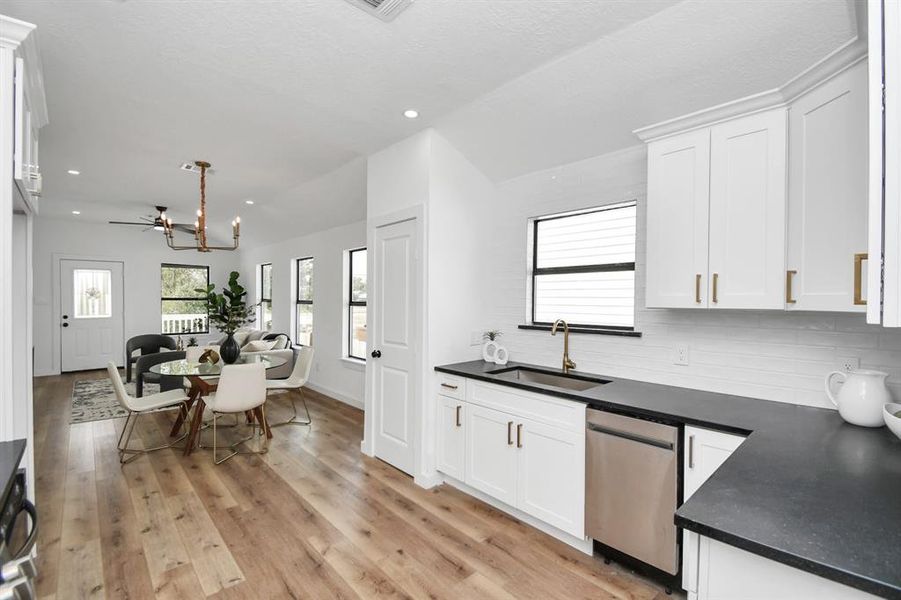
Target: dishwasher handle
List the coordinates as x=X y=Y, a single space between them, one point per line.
x=630 y=436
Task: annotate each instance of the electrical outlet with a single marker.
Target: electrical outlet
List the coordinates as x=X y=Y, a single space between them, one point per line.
x=475 y=337
x=848 y=363
x=680 y=354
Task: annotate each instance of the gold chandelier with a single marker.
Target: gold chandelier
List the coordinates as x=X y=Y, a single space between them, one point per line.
x=200 y=239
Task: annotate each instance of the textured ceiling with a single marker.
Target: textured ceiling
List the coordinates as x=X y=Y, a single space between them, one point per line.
x=691 y=56
x=274 y=93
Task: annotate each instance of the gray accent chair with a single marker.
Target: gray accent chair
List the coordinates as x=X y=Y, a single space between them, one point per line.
x=143 y=374
x=149 y=343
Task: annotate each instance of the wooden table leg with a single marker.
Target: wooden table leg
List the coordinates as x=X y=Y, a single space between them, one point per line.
x=182 y=415
x=196 y=423
x=264 y=422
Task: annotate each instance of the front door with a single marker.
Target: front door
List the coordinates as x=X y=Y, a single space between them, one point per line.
x=91 y=314
x=393 y=356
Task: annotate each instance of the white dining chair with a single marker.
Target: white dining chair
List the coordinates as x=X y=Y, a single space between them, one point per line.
x=241 y=388
x=139 y=406
x=298 y=378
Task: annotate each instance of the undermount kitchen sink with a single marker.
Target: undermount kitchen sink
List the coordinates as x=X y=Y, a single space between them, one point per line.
x=577 y=383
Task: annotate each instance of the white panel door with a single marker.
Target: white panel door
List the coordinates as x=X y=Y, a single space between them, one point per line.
x=491 y=452
x=678 y=202
x=451 y=436
x=827 y=200
x=393 y=356
x=747 y=212
x=551 y=475
x=91 y=305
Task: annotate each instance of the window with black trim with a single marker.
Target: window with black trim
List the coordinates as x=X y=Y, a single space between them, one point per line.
x=583 y=268
x=182 y=308
x=265 y=317
x=303 y=315
x=356 y=304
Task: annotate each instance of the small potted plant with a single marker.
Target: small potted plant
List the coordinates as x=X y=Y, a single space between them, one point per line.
x=192 y=341
x=228 y=312
x=489 y=348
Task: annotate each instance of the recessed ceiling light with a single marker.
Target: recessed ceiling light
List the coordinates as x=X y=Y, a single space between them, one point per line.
x=411 y=114
x=248 y=202
x=76 y=212
x=73 y=172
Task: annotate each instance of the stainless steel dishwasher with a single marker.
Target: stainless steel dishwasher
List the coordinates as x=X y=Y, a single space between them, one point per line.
x=631 y=495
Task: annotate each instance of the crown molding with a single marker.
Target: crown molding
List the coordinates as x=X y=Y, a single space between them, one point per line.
x=13 y=32
x=823 y=70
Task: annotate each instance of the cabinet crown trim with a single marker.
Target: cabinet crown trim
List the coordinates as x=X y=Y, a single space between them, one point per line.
x=834 y=63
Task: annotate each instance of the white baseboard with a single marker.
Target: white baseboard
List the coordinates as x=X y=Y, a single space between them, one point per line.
x=428 y=481
x=585 y=545
x=356 y=403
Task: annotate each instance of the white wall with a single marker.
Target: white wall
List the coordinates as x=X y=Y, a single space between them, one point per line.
x=775 y=355
x=142 y=252
x=331 y=375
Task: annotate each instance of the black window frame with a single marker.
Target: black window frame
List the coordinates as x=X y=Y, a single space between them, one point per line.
x=264 y=300
x=163 y=299
x=298 y=301
x=351 y=302
x=537 y=271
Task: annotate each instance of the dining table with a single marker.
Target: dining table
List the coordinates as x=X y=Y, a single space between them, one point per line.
x=204 y=378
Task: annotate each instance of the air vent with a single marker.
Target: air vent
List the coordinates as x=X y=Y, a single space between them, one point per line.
x=194 y=168
x=386 y=10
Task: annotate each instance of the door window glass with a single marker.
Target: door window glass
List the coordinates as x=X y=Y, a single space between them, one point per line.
x=92 y=289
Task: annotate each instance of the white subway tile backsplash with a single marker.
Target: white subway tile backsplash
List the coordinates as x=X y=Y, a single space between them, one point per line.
x=781 y=356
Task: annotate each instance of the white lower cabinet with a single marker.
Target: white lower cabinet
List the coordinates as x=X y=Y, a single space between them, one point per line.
x=451 y=436
x=491 y=457
x=729 y=573
x=524 y=449
x=550 y=477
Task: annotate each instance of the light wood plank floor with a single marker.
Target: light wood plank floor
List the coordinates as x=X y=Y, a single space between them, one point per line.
x=313 y=518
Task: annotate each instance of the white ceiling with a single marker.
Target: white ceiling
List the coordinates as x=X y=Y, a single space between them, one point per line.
x=280 y=94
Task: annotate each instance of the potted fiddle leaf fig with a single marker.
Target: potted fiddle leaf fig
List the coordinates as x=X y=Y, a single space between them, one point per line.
x=228 y=312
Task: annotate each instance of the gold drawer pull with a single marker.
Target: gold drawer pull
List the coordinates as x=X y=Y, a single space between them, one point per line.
x=858 y=278
x=788 y=287
x=698 y=288
x=716 y=277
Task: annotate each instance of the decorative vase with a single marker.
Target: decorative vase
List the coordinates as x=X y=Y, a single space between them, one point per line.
x=230 y=350
x=489 y=350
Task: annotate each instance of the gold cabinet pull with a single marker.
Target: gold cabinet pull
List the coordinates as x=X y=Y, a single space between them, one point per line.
x=509 y=433
x=788 y=287
x=716 y=277
x=448 y=386
x=519 y=435
x=698 y=288
x=459 y=423
x=858 y=277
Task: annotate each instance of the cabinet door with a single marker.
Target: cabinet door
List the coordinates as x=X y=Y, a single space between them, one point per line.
x=747 y=212
x=678 y=201
x=705 y=451
x=551 y=475
x=491 y=452
x=451 y=436
x=827 y=200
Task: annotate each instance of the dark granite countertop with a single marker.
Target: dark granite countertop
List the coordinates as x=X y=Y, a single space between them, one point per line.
x=805 y=489
x=10 y=457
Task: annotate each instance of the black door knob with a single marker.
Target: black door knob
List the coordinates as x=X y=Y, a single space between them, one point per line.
x=65 y=316
x=65 y=324
x=376 y=354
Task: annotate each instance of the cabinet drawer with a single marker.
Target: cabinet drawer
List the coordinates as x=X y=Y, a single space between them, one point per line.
x=452 y=386
x=566 y=414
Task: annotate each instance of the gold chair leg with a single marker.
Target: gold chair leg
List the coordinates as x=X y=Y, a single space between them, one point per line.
x=293 y=420
x=131 y=421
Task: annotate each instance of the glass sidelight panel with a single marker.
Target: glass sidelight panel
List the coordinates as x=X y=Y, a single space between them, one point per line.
x=92 y=293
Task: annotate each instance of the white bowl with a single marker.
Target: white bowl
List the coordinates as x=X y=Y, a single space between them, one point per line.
x=889 y=413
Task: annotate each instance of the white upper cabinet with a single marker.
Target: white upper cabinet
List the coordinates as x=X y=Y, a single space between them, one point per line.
x=827 y=202
x=678 y=204
x=747 y=211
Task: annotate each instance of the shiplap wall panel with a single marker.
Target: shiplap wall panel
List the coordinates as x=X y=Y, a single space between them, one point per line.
x=763 y=354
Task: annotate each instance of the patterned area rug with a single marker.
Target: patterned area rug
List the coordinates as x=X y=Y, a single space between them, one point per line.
x=95 y=400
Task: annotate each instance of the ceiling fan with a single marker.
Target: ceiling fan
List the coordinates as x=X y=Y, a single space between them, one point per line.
x=156 y=222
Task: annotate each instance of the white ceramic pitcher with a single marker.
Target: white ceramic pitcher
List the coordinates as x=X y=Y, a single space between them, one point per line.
x=861 y=397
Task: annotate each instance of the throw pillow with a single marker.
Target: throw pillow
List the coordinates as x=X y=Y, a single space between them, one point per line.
x=280 y=342
x=258 y=346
